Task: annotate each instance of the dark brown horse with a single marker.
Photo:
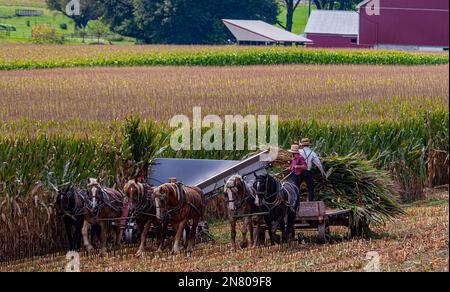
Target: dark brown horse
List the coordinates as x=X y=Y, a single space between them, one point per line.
x=280 y=201
x=177 y=205
x=142 y=208
x=242 y=200
x=70 y=203
x=103 y=207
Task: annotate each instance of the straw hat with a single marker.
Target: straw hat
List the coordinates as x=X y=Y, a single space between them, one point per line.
x=306 y=142
x=295 y=149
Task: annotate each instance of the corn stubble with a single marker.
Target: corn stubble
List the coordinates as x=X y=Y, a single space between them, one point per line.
x=418 y=243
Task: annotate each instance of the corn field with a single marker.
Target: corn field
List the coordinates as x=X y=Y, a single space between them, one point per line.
x=39 y=57
x=65 y=125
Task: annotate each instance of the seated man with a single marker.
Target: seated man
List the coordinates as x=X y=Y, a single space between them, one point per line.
x=298 y=165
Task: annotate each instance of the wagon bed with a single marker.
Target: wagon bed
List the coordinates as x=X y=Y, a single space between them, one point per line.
x=316 y=216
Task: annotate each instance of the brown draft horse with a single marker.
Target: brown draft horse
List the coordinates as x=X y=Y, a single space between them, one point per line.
x=143 y=209
x=243 y=200
x=103 y=206
x=177 y=204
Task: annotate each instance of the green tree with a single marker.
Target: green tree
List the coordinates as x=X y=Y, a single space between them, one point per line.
x=45 y=34
x=97 y=28
x=336 y=4
x=89 y=10
x=292 y=5
x=183 y=21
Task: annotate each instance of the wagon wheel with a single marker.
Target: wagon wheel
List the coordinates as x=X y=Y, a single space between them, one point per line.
x=324 y=232
x=356 y=227
x=356 y=230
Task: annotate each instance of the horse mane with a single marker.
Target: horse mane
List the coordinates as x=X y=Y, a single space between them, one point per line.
x=133 y=183
x=233 y=179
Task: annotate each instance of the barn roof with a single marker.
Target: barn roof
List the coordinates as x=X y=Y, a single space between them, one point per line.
x=333 y=22
x=259 y=31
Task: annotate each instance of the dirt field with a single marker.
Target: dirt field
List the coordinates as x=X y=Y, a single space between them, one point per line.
x=417 y=242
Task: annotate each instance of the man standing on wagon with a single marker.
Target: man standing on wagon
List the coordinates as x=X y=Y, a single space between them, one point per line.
x=311 y=159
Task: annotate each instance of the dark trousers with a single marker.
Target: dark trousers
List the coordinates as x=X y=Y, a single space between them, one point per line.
x=307 y=177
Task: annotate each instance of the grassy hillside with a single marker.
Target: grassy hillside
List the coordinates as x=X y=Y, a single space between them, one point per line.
x=24 y=25
x=30 y=3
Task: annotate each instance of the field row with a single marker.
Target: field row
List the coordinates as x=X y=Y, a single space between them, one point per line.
x=34 y=57
x=92 y=100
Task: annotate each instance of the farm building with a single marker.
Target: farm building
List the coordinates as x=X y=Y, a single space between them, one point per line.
x=255 y=32
x=399 y=24
x=333 y=28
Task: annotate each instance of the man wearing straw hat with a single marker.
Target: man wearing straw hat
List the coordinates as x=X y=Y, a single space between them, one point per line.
x=311 y=159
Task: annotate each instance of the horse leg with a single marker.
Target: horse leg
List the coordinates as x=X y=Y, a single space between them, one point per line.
x=269 y=224
x=251 y=231
x=103 y=239
x=161 y=236
x=69 y=232
x=290 y=225
x=282 y=225
x=144 y=233
x=193 y=234
x=77 y=238
x=244 y=243
x=187 y=231
x=118 y=236
x=256 y=224
x=179 y=231
x=85 y=232
x=233 y=233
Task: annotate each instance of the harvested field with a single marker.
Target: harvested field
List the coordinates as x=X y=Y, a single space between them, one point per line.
x=417 y=242
x=328 y=94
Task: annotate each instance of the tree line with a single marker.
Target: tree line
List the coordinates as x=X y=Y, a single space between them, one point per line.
x=185 y=21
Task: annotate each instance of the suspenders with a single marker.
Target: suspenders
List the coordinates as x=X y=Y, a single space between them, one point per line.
x=307 y=158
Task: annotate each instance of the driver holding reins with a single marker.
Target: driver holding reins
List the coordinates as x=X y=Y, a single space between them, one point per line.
x=301 y=165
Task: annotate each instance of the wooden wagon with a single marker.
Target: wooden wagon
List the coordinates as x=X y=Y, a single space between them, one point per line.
x=316 y=216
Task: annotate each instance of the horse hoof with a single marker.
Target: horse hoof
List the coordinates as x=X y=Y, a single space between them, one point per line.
x=139 y=254
x=244 y=245
x=90 y=249
x=103 y=253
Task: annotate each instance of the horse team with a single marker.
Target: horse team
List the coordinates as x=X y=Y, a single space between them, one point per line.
x=97 y=211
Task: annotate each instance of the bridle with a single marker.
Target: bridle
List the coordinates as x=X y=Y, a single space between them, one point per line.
x=247 y=194
x=267 y=196
x=166 y=215
x=144 y=202
x=77 y=207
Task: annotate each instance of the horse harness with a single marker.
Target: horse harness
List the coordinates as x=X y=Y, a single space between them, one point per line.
x=248 y=196
x=181 y=196
x=77 y=210
x=145 y=205
x=280 y=189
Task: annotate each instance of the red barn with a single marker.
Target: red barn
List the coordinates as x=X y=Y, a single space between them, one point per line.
x=398 y=24
x=330 y=28
x=413 y=24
